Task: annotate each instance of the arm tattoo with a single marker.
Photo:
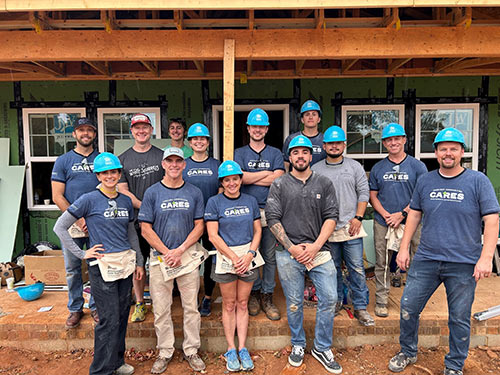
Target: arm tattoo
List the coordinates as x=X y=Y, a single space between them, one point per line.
x=280 y=234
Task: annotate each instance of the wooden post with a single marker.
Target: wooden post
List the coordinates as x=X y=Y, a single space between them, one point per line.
x=228 y=99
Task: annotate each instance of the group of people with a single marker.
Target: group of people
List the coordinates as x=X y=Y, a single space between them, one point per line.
x=298 y=211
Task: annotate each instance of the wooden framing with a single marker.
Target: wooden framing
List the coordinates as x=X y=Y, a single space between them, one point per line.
x=229 y=52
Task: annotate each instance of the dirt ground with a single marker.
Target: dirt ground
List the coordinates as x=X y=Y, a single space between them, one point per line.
x=368 y=359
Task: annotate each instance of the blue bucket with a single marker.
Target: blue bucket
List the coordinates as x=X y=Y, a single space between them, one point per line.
x=30 y=292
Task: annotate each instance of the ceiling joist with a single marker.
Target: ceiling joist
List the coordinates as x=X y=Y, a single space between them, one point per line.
x=152 y=66
x=103 y=68
x=396 y=64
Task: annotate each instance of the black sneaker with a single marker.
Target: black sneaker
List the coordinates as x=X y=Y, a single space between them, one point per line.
x=296 y=357
x=327 y=360
x=449 y=371
x=399 y=362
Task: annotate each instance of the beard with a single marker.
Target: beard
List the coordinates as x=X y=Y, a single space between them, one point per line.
x=85 y=143
x=334 y=156
x=300 y=168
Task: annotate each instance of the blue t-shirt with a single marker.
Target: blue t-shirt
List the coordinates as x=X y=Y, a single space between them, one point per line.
x=452 y=210
x=107 y=219
x=77 y=172
x=235 y=217
x=172 y=211
x=203 y=175
x=269 y=159
x=317 y=142
x=395 y=183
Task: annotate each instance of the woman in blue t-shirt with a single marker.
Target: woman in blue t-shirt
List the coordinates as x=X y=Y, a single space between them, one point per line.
x=112 y=259
x=201 y=171
x=233 y=224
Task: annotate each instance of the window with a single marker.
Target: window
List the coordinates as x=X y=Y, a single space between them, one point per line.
x=363 y=125
x=47 y=134
x=114 y=123
x=433 y=118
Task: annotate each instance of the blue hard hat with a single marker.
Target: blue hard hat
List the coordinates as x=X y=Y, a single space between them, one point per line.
x=310 y=105
x=334 y=134
x=393 y=130
x=258 y=117
x=449 y=135
x=106 y=161
x=198 y=130
x=30 y=292
x=300 y=141
x=229 y=168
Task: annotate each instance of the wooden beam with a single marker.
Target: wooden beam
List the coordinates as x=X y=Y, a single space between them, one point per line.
x=229 y=51
x=319 y=15
x=347 y=64
x=396 y=64
x=26 y=68
x=108 y=19
x=102 y=67
x=251 y=19
x=444 y=64
x=51 y=67
x=391 y=18
x=168 y=45
x=200 y=66
x=474 y=63
x=178 y=19
x=152 y=66
x=249 y=68
x=192 y=14
x=299 y=64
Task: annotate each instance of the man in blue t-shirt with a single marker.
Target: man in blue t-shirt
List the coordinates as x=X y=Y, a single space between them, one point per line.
x=453 y=202
x=392 y=181
x=72 y=176
x=171 y=218
x=310 y=116
x=261 y=165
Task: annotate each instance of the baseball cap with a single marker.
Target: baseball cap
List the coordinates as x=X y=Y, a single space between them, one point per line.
x=140 y=118
x=173 y=151
x=84 y=121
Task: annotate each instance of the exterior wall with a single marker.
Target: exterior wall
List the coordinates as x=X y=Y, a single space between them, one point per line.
x=185 y=100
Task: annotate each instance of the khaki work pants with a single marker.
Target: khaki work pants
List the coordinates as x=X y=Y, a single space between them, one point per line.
x=161 y=293
x=383 y=259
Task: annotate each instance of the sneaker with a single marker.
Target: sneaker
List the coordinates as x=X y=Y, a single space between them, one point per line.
x=124 y=369
x=396 y=281
x=253 y=303
x=160 y=365
x=338 y=307
x=139 y=312
x=381 y=310
x=95 y=316
x=272 y=312
x=73 y=320
x=195 y=362
x=449 y=371
x=232 y=361
x=246 y=360
x=327 y=360
x=296 y=357
x=364 y=317
x=205 y=307
x=399 y=362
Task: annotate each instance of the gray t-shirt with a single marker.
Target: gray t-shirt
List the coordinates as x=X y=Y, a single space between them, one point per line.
x=141 y=169
x=351 y=186
x=302 y=208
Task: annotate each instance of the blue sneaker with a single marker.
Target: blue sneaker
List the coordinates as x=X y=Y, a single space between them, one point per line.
x=232 y=362
x=246 y=360
x=205 y=308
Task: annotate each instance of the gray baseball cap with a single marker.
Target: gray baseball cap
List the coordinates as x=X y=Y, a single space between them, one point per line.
x=173 y=151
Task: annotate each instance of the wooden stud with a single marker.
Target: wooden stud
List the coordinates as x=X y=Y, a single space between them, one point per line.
x=192 y=14
x=392 y=18
x=152 y=66
x=396 y=64
x=51 y=67
x=249 y=68
x=347 y=64
x=444 y=64
x=178 y=19
x=474 y=63
x=299 y=64
x=319 y=15
x=200 y=66
x=251 y=19
x=229 y=55
x=102 y=67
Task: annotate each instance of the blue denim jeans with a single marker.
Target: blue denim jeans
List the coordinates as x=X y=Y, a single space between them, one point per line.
x=324 y=278
x=74 y=280
x=267 y=249
x=423 y=279
x=113 y=305
x=352 y=253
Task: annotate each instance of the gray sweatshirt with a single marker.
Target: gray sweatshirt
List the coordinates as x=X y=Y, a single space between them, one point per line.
x=351 y=186
x=302 y=208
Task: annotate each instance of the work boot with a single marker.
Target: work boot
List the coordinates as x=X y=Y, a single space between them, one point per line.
x=272 y=312
x=160 y=365
x=338 y=307
x=73 y=320
x=253 y=303
x=195 y=362
x=399 y=362
x=381 y=310
x=364 y=317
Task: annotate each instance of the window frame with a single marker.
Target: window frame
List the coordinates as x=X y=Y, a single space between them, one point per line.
x=475 y=129
x=30 y=159
x=371 y=107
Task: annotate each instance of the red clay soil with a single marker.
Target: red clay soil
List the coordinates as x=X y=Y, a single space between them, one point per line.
x=365 y=360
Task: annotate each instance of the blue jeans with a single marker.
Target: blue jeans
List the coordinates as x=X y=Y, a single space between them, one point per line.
x=352 y=253
x=113 y=305
x=292 y=275
x=267 y=249
x=423 y=279
x=74 y=280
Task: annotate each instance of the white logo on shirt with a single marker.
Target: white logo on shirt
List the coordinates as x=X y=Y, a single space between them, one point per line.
x=259 y=164
x=317 y=149
x=236 y=211
x=449 y=195
x=200 y=172
x=83 y=166
x=174 y=204
x=113 y=211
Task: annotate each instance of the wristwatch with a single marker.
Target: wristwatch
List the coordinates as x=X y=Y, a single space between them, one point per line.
x=405 y=214
x=253 y=252
x=360 y=218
